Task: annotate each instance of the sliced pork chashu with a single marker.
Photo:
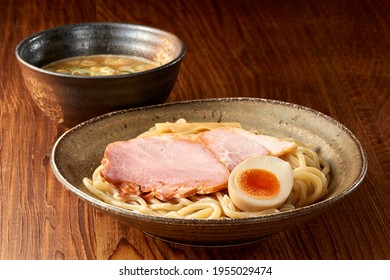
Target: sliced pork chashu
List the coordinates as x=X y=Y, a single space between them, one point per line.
x=169 y=166
x=233 y=145
x=164 y=167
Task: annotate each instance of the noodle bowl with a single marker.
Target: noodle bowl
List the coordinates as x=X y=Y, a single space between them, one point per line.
x=77 y=153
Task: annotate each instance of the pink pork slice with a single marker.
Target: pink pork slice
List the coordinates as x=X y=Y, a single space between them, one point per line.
x=233 y=145
x=164 y=167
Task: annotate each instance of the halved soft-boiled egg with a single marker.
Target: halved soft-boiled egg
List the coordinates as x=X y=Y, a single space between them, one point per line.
x=260 y=183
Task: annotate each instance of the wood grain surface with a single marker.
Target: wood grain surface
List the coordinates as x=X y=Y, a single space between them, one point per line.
x=330 y=55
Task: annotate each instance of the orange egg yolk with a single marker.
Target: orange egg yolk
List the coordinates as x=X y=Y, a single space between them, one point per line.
x=258 y=183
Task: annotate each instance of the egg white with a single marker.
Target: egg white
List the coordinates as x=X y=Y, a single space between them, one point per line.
x=280 y=168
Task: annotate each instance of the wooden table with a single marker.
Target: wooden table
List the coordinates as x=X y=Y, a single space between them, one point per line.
x=330 y=55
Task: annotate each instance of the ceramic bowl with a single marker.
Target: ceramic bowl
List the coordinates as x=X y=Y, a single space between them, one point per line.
x=79 y=151
x=69 y=99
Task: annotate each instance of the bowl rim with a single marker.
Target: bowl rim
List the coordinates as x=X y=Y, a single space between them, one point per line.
x=272 y=217
x=34 y=36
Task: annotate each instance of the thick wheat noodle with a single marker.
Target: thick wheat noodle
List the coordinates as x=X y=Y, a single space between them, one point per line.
x=311 y=179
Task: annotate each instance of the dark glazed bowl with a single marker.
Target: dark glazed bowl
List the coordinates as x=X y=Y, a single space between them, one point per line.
x=71 y=99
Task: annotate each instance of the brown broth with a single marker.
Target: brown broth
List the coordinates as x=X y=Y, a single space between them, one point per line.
x=100 y=65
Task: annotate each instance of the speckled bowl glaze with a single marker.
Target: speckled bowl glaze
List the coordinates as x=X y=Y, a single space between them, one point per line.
x=78 y=152
x=69 y=99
